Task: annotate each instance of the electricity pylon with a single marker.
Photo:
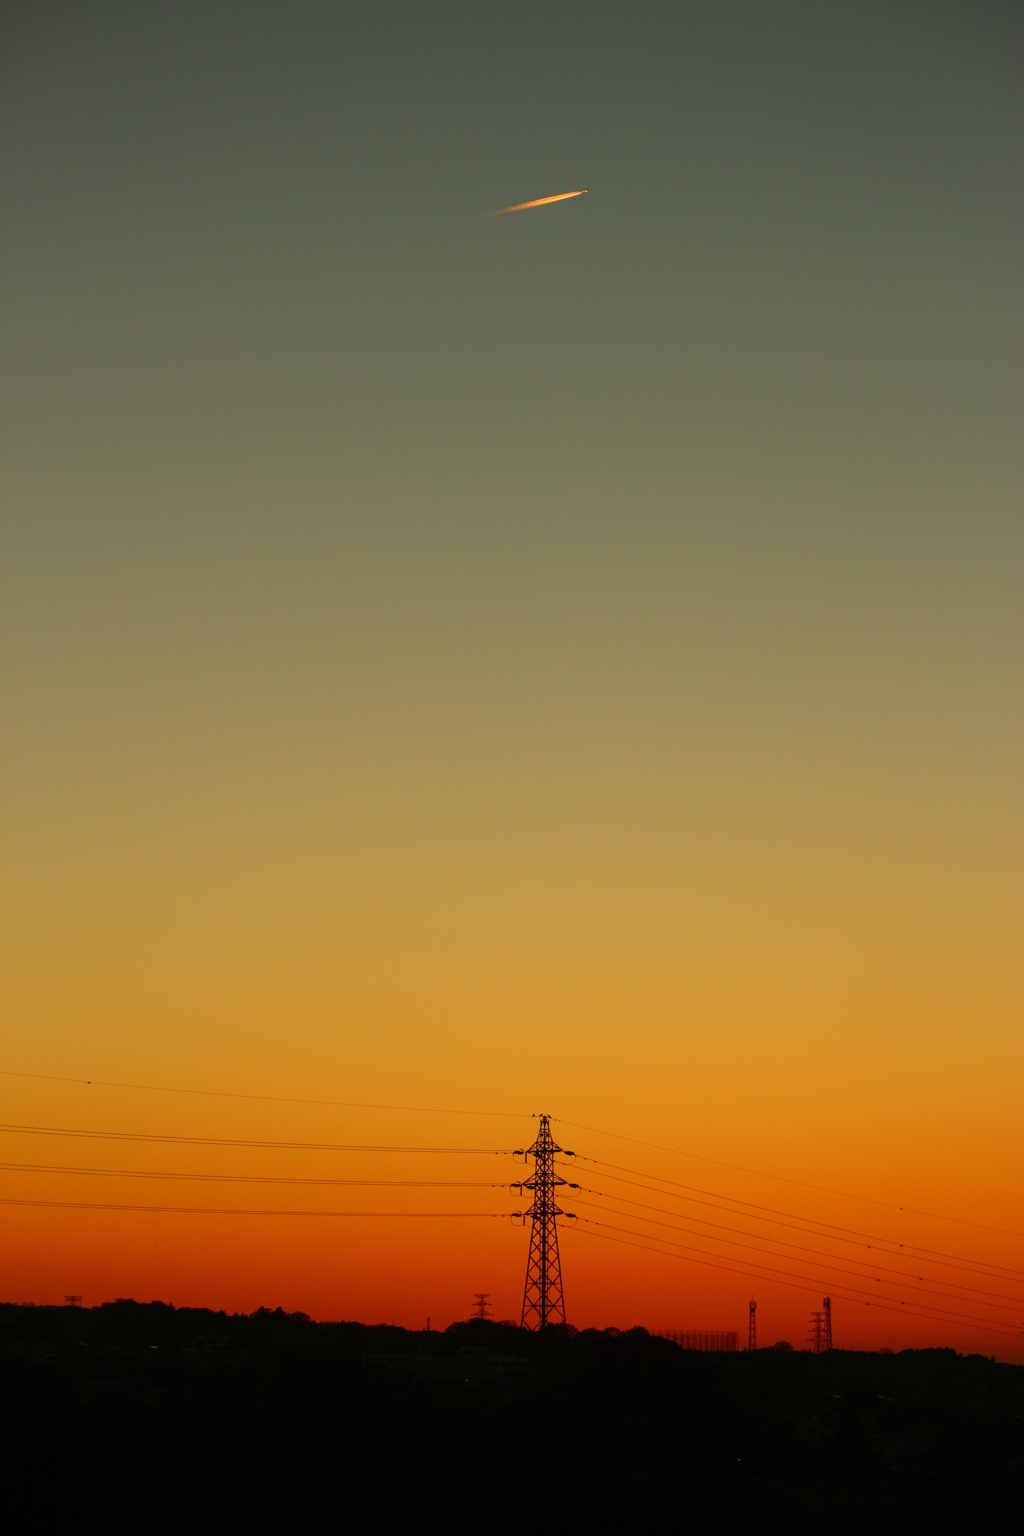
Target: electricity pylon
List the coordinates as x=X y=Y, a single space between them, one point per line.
x=543 y=1297
x=820 y=1331
x=752 y=1327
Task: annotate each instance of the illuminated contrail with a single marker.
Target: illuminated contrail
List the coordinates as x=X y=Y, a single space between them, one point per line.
x=538 y=202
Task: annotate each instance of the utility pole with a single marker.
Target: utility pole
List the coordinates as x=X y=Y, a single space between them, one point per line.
x=543 y=1298
x=752 y=1327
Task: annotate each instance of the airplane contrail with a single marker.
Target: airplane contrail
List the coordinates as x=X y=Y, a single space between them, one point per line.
x=538 y=202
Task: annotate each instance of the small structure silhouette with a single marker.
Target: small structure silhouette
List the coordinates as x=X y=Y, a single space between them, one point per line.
x=72 y=1301
x=481 y=1307
x=752 y=1327
x=820 y=1331
x=695 y=1338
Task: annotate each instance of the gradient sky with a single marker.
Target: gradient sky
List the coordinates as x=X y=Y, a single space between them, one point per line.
x=563 y=662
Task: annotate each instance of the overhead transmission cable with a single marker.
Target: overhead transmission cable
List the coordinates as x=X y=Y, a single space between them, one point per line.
x=809 y=1223
x=797 y=1284
x=265 y=1098
x=494 y=1114
x=809 y=1282
x=254 y=1178
x=759 y=1173
x=869 y=1264
x=236 y=1141
x=816 y=1263
x=205 y=1210
x=879 y=1245
x=943 y=1314
x=783 y=1242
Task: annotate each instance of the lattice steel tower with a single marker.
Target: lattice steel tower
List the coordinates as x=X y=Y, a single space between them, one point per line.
x=543 y=1297
x=820 y=1331
x=752 y=1327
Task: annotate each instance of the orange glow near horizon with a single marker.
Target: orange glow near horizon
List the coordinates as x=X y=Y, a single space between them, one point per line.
x=661 y=1240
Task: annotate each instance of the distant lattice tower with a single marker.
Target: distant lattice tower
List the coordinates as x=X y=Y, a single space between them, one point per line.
x=481 y=1307
x=820 y=1332
x=752 y=1327
x=816 y=1332
x=543 y=1297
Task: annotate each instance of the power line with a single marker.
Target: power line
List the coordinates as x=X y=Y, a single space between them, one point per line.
x=813 y=1221
x=408 y=1183
x=265 y=1098
x=492 y=1114
x=1008 y=1278
x=836 y=1268
x=785 y=1243
x=940 y=1313
x=232 y=1141
x=205 y=1210
x=793 y=1285
x=782 y=1179
x=823 y=1260
x=798 y=1283
x=250 y=1178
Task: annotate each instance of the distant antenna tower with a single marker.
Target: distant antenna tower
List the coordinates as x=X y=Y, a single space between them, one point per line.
x=543 y=1299
x=752 y=1327
x=820 y=1331
x=481 y=1309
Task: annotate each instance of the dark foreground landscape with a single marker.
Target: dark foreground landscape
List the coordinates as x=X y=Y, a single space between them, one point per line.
x=144 y=1418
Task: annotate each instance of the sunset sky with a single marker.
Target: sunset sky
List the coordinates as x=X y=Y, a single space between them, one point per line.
x=566 y=662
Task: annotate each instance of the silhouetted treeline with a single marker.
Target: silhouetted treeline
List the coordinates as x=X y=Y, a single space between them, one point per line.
x=133 y=1417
